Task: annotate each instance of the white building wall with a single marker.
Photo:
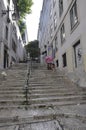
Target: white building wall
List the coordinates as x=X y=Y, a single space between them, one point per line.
x=6 y=44
x=71 y=38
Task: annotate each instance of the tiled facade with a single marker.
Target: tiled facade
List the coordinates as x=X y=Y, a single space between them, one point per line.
x=11 y=44
x=64 y=34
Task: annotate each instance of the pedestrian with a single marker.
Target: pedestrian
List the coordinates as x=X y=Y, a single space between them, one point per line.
x=48 y=66
x=10 y=64
x=53 y=66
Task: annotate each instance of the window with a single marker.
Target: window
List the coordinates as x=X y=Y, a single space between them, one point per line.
x=6 y=33
x=57 y=63
x=56 y=44
x=24 y=38
x=51 y=12
x=55 y=21
x=51 y=30
x=54 y=2
x=14 y=45
x=60 y=7
x=73 y=15
x=62 y=31
x=9 y=1
x=64 y=60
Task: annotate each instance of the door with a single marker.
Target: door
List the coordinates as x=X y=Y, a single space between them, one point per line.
x=78 y=55
x=6 y=59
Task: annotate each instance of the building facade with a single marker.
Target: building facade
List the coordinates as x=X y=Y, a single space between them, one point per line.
x=64 y=34
x=11 y=44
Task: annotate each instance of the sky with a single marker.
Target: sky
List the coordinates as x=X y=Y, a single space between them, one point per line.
x=32 y=20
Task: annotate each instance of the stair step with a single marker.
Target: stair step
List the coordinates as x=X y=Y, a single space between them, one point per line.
x=32 y=96
x=57 y=99
x=11 y=91
x=47 y=90
x=50 y=90
x=52 y=87
x=53 y=104
x=11 y=107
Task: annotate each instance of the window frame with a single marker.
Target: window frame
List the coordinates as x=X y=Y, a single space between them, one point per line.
x=51 y=12
x=51 y=30
x=14 y=46
x=56 y=44
x=62 y=32
x=54 y=2
x=60 y=7
x=6 y=33
x=64 y=58
x=73 y=15
x=55 y=20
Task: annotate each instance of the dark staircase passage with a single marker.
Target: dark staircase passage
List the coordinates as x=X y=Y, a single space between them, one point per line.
x=54 y=102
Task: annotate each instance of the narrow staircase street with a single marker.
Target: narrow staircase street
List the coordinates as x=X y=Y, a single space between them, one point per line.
x=49 y=101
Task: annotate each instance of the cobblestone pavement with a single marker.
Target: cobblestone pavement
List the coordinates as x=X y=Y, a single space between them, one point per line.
x=53 y=102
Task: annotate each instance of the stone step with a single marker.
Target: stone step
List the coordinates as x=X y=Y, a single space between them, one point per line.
x=11 y=107
x=12 y=92
x=47 y=89
x=32 y=96
x=56 y=95
x=39 y=96
x=9 y=84
x=57 y=99
x=44 y=122
x=59 y=87
x=51 y=90
x=55 y=83
x=47 y=84
x=8 y=81
x=11 y=88
x=39 y=91
x=23 y=122
x=47 y=74
x=12 y=97
x=14 y=80
x=58 y=104
x=12 y=102
x=29 y=120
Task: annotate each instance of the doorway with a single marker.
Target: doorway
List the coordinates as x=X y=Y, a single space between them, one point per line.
x=6 y=59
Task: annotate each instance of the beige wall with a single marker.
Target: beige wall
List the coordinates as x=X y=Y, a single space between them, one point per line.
x=84 y=57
